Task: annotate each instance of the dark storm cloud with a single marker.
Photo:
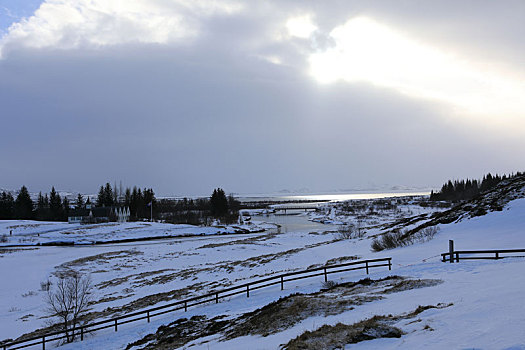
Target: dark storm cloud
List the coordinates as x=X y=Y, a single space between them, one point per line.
x=185 y=119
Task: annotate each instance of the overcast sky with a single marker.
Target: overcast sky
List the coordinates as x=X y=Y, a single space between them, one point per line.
x=188 y=95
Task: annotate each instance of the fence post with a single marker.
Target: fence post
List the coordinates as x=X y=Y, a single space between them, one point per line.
x=451 y=250
x=185 y=306
x=81 y=333
x=282 y=283
x=148 y=316
x=216 y=298
x=366 y=264
x=247 y=290
x=325 y=276
x=115 y=325
x=389 y=264
x=497 y=255
x=43 y=343
x=457 y=257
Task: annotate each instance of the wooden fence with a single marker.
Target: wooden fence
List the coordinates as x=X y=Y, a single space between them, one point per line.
x=213 y=297
x=454 y=255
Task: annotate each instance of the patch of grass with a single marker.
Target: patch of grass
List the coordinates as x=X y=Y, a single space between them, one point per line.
x=101 y=258
x=412 y=284
x=333 y=337
x=181 y=332
x=289 y=310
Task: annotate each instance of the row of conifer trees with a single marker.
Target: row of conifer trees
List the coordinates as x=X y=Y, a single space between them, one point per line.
x=469 y=188
x=52 y=207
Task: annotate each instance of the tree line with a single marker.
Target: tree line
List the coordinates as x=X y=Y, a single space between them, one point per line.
x=141 y=203
x=470 y=188
x=48 y=207
x=52 y=207
x=138 y=201
x=200 y=211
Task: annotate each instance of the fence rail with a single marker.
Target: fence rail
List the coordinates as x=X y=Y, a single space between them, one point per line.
x=212 y=297
x=493 y=254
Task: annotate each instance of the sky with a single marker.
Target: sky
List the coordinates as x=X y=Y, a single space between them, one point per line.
x=188 y=95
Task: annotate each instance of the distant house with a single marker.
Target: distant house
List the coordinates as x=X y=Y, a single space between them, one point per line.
x=103 y=214
x=79 y=216
x=97 y=215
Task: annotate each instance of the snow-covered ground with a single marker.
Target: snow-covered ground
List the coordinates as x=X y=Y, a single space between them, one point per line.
x=373 y=212
x=484 y=303
x=28 y=232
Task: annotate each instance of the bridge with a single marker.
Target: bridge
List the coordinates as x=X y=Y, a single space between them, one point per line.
x=296 y=206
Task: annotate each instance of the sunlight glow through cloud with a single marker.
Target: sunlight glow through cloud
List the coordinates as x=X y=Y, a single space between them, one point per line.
x=301 y=27
x=368 y=51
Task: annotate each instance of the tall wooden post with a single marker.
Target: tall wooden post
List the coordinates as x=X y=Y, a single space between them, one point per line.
x=451 y=250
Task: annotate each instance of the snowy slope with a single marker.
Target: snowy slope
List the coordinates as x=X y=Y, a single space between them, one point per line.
x=487 y=296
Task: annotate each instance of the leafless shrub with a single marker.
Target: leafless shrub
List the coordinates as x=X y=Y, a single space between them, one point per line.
x=69 y=300
x=350 y=231
x=29 y=294
x=345 y=232
x=388 y=240
x=3 y=238
x=425 y=234
x=396 y=239
x=13 y=309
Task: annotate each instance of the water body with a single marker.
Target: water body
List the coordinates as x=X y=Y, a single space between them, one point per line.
x=329 y=197
x=297 y=221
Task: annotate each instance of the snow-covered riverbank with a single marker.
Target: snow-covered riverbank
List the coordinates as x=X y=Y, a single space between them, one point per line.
x=28 y=232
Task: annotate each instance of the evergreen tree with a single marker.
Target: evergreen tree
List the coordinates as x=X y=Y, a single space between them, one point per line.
x=42 y=208
x=100 y=199
x=218 y=203
x=23 y=206
x=7 y=205
x=108 y=195
x=80 y=202
x=65 y=206
x=55 y=205
x=127 y=198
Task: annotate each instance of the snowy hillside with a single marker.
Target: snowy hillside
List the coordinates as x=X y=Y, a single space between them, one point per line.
x=424 y=304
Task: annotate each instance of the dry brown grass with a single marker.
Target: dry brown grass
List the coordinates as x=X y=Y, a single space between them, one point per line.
x=334 y=337
x=287 y=311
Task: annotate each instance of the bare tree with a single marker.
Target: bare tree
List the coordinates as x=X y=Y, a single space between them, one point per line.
x=69 y=300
